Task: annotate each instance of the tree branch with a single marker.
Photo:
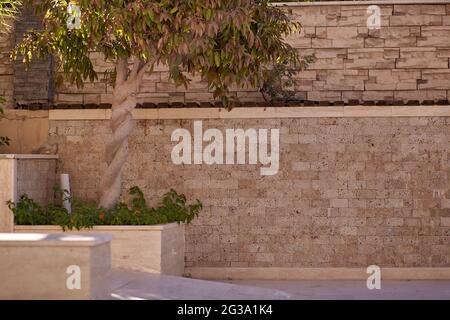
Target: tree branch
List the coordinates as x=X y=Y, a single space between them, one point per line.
x=136 y=67
x=144 y=66
x=121 y=70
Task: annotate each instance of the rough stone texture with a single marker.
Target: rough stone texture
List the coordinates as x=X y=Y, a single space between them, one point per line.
x=413 y=37
x=37 y=178
x=350 y=191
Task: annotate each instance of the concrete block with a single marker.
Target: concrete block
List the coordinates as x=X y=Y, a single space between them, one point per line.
x=158 y=249
x=40 y=266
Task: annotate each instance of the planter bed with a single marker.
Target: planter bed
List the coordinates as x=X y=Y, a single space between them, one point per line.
x=158 y=248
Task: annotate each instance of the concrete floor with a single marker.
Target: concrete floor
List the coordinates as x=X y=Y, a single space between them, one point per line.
x=126 y=285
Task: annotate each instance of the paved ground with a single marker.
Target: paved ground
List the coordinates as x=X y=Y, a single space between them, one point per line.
x=145 y=286
x=138 y=286
x=357 y=290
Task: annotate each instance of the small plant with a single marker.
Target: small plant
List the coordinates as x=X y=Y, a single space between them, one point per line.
x=4 y=141
x=173 y=208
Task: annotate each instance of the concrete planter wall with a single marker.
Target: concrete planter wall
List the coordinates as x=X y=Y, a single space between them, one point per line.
x=158 y=248
x=32 y=174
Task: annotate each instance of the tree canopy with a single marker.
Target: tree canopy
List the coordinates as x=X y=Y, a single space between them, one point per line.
x=233 y=42
x=225 y=42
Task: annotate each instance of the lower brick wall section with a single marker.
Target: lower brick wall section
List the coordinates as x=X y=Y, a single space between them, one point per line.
x=349 y=193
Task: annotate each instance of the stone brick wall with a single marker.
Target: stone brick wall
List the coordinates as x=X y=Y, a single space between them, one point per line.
x=350 y=191
x=32 y=83
x=407 y=59
x=18 y=83
x=6 y=68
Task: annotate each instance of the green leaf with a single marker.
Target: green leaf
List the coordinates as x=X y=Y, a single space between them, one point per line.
x=217 y=59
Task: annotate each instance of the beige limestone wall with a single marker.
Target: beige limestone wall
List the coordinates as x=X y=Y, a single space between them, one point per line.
x=406 y=59
x=28 y=131
x=350 y=191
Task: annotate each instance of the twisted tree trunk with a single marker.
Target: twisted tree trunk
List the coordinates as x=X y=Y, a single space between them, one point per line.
x=116 y=153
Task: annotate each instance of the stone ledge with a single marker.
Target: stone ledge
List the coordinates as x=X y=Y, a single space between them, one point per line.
x=158 y=227
x=28 y=156
x=52 y=240
x=260 y=113
x=315 y=273
x=15 y=114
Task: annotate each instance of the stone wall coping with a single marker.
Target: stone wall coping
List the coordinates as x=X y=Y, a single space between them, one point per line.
x=359 y=3
x=28 y=156
x=53 y=240
x=259 y=113
x=159 y=227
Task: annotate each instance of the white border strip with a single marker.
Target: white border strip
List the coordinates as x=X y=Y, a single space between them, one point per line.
x=259 y=113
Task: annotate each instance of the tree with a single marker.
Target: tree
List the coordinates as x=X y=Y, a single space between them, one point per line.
x=227 y=43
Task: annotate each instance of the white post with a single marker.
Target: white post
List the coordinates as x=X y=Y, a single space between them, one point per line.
x=65 y=188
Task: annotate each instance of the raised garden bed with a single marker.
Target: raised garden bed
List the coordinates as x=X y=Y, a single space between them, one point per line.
x=158 y=248
x=144 y=239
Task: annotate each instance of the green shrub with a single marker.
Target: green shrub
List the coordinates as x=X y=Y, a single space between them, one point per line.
x=173 y=208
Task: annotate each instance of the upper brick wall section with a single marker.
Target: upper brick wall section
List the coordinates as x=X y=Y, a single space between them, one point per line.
x=32 y=83
x=6 y=68
x=407 y=59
